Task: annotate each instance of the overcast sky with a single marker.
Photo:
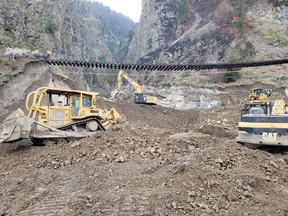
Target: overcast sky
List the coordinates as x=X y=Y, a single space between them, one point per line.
x=130 y=8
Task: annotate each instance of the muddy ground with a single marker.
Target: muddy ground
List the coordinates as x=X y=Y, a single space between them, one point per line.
x=161 y=161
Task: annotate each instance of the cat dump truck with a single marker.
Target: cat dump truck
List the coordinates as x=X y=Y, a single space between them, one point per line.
x=139 y=97
x=264 y=123
x=57 y=114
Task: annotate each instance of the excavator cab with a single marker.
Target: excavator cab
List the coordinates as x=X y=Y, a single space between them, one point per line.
x=139 y=98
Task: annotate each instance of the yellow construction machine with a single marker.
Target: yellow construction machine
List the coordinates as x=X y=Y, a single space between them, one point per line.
x=57 y=114
x=139 y=98
x=264 y=123
x=259 y=95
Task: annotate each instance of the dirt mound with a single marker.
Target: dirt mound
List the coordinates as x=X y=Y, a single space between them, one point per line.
x=155 y=116
x=160 y=162
x=218 y=131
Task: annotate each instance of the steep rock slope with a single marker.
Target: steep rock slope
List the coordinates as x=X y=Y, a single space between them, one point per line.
x=65 y=27
x=192 y=31
x=35 y=74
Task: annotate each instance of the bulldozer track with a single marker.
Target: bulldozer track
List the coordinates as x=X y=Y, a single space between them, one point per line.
x=137 y=204
x=56 y=198
x=81 y=122
x=55 y=195
x=48 y=206
x=165 y=67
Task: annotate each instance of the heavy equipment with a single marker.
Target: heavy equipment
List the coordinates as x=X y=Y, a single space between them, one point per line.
x=259 y=95
x=55 y=113
x=264 y=123
x=139 y=97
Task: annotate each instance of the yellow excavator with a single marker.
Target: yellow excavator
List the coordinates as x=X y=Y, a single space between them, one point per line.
x=57 y=114
x=139 y=98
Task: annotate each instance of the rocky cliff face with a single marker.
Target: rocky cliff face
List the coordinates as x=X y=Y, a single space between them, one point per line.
x=67 y=28
x=185 y=31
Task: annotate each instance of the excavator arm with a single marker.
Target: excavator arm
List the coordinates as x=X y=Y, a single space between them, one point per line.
x=120 y=77
x=139 y=98
x=132 y=82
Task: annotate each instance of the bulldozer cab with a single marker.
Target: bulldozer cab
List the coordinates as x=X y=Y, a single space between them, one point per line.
x=82 y=103
x=57 y=107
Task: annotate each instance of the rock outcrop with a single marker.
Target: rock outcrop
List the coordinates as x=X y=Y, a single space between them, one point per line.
x=61 y=28
x=194 y=31
x=67 y=28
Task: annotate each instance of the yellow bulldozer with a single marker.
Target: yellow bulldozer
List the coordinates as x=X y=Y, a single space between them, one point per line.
x=57 y=114
x=259 y=95
x=139 y=97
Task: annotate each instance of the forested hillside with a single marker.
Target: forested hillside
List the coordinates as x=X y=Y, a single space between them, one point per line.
x=116 y=27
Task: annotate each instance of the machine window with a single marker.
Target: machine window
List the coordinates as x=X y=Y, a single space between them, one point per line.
x=256 y=111
x=75 y=106
x=86 y=102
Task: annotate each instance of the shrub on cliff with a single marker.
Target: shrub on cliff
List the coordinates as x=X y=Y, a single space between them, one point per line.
x=51 y=27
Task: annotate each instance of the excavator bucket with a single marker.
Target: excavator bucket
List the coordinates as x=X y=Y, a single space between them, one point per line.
x=115 y=92
x=15 y=127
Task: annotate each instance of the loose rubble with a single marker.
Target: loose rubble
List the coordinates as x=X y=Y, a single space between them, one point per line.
x=160 y=162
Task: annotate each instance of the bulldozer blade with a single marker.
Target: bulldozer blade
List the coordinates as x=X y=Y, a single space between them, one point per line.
x=15 y=127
